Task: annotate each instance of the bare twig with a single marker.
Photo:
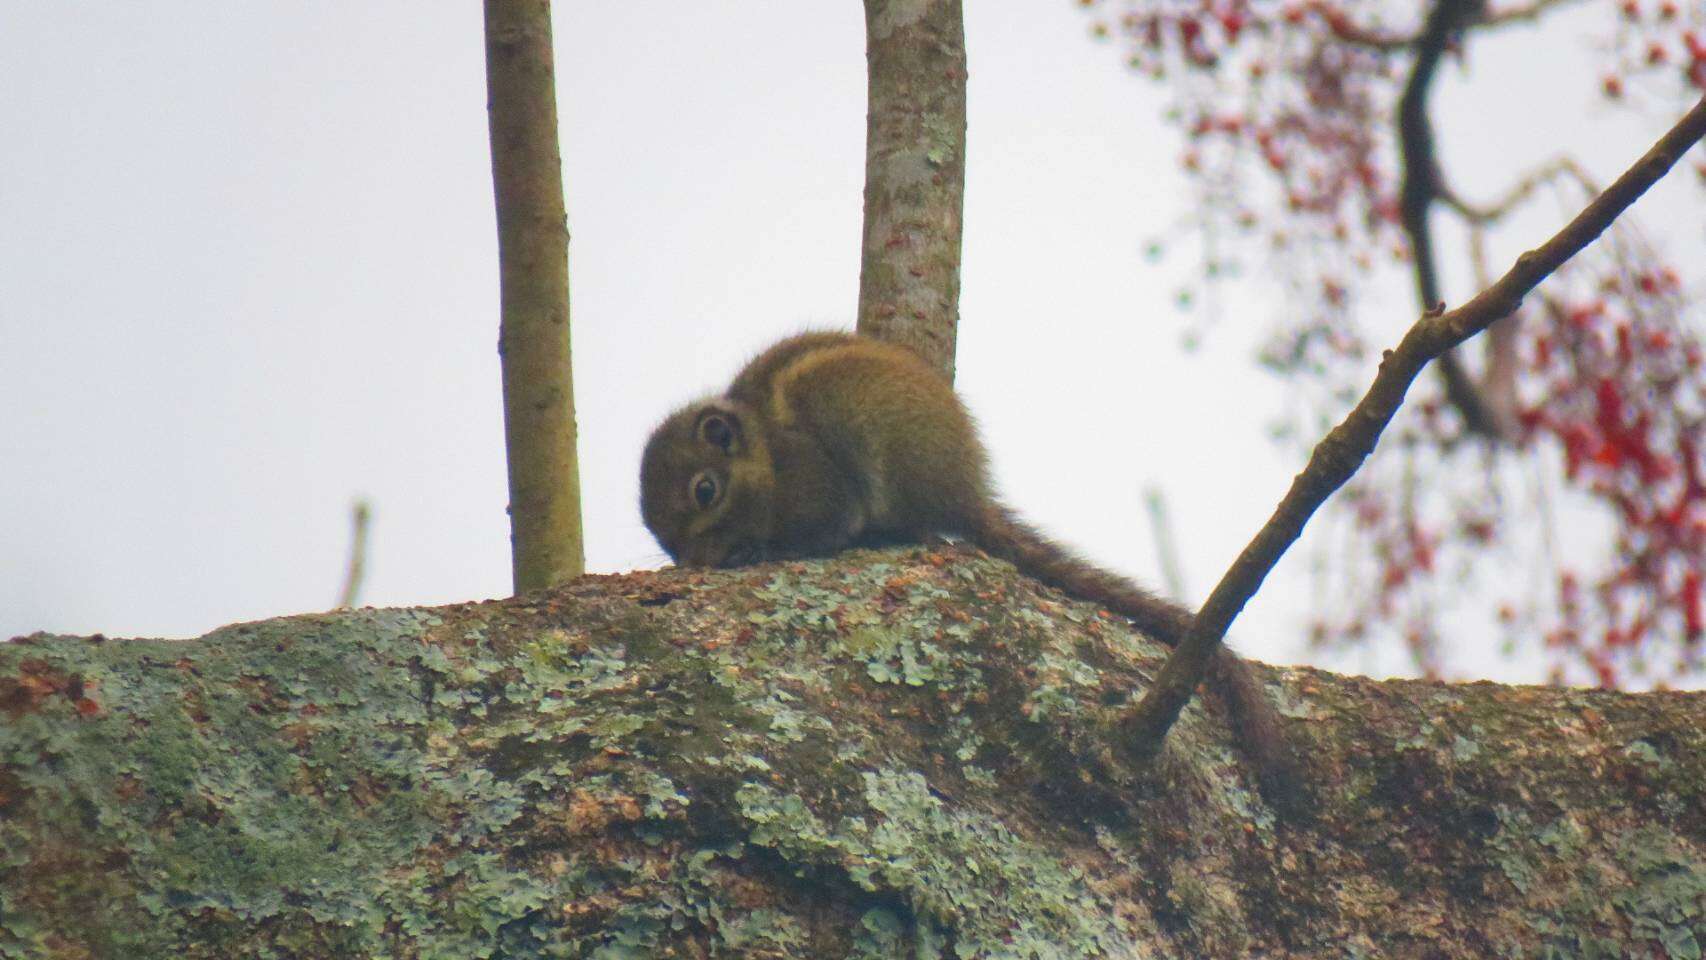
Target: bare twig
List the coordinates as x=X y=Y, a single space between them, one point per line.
x=1344 y=29
x=1520 y=13
x=360 y=513
x=1355 y=34
x=1172 y=576
x=1498 y=386
x=1338 y=456
x=1519 y=193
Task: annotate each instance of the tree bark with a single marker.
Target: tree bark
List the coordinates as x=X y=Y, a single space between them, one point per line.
x=533 y=262
x=915 y=172
x=910 y=753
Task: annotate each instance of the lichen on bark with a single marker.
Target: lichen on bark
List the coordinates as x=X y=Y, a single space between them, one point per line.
x=903 y=753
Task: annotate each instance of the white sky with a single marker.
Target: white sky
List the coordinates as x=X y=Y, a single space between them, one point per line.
x=247 y=272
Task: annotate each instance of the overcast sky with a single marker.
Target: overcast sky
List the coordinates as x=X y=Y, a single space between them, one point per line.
x=247 y=273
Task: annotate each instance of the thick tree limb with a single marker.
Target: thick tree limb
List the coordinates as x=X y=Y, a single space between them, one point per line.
x=898 y=754
x=915 y=174
x=1343 y=450
x=533 y=261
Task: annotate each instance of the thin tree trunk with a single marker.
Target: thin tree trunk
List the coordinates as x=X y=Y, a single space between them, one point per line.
x=533 y=260
x=915 y=171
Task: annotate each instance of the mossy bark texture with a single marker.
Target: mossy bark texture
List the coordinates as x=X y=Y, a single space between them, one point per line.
x=533 y=265
x=915 y=176
x=890 y=754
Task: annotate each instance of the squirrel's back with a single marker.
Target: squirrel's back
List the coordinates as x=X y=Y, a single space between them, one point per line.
x=826 y=440
x=885 y=417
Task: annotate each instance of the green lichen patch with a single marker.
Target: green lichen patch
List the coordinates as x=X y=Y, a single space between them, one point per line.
x=904 y=753
x=965 y=879
x=212 y=789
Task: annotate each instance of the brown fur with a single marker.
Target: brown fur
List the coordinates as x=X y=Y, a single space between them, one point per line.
x=837 y=440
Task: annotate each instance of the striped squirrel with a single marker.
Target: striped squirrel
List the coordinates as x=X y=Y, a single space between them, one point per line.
x=830 y=440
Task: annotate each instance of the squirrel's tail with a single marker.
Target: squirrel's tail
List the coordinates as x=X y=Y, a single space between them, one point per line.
x=1255 y=721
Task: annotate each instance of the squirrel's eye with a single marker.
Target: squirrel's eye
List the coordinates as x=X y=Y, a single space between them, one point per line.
x=717 y=432
x=704 y=489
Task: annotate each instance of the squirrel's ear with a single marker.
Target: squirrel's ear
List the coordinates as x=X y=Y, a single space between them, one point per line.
x=721 y=429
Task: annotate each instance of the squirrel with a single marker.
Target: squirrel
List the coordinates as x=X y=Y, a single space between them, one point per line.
x=831 y=440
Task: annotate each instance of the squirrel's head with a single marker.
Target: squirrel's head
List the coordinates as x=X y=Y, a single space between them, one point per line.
x=706 y=486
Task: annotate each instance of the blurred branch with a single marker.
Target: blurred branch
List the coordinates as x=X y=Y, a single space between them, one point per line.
x=360 y=513
x=1520 y=13
x=1561 y=167
x=1166 y=551
x=1338 y=456
x=1422 y=185
x=1347 y=31
x=1498 y=386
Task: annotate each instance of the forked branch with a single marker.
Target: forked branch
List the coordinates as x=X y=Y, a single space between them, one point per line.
x=1338 y=456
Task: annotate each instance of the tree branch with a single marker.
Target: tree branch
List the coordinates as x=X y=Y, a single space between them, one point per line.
x=1355 y=34
x=360 y=513
x=1520 y=13
x=533 y=266
x=1342 y=452
x=1422 y=185
x=1166 y=553
x=905 y=753
x=1497 y=389
x=915 y=174
x=1524 y=188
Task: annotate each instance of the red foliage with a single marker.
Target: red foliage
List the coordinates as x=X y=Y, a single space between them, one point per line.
x=1288 y=108
x=1628 y=409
